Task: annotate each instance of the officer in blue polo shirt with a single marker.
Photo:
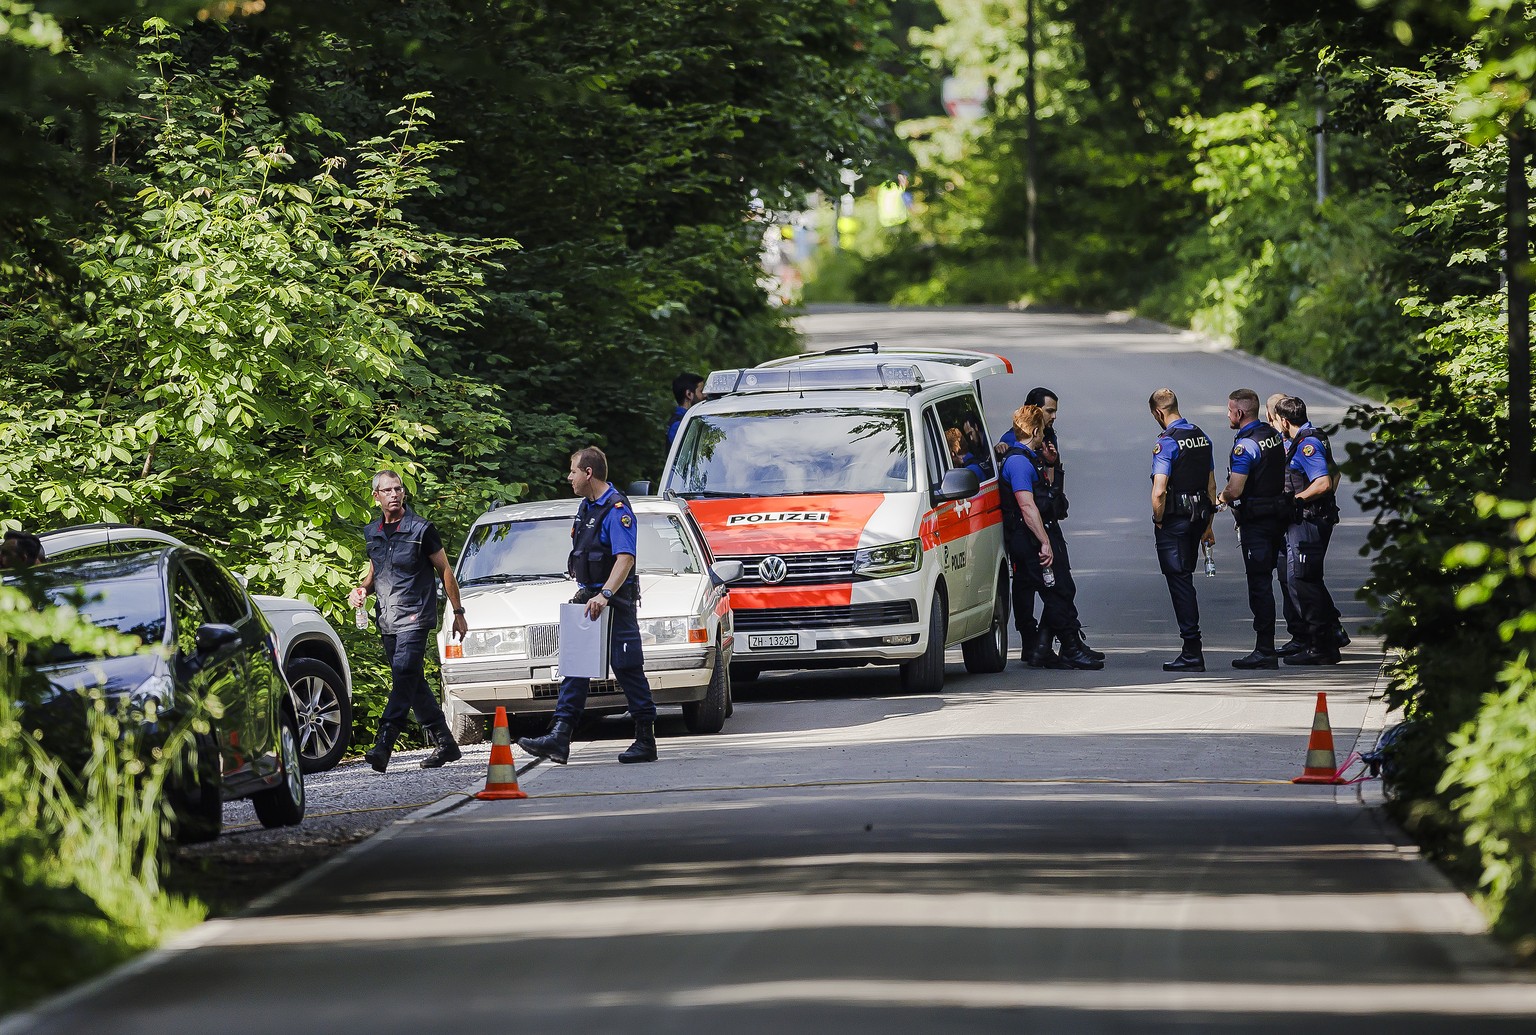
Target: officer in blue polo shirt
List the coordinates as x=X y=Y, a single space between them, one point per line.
x=1183 y=491
x=1256 y=493
x=1312 y=478
x=602 y=562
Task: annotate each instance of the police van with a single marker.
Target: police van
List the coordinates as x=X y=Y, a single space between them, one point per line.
x=858 y=488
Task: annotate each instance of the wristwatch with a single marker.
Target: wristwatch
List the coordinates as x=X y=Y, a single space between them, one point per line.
x=458 y=610
x=607 y=594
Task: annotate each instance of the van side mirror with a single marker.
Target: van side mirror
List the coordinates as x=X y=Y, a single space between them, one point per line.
x=960 y=483
x=726 y=572
x=639 y=488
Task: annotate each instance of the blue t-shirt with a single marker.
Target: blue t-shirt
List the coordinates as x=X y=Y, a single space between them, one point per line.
x=1010 y=439
x=1308 y=458
x=677 y=419
x=1019 y=470
x=1245 y=451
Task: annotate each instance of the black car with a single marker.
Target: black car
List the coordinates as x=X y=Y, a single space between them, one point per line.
x=213 y=642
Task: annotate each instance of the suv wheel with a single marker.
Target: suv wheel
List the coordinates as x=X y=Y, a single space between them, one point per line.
x=283 y=805
x=324 y=710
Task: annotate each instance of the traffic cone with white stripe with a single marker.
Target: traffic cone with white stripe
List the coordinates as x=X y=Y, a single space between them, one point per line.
x=501 y=780
x=1321 y=765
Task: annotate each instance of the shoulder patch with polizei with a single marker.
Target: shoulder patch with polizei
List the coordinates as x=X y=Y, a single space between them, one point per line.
x=1237 y=450
x=626 y=520
x=1157 y=448
x=1308 y=449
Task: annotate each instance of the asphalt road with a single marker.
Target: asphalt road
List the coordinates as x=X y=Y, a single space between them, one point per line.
x=1027 y=852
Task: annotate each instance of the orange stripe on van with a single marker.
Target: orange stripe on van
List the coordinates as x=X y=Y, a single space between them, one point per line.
x=792 y=596
x=951 y=521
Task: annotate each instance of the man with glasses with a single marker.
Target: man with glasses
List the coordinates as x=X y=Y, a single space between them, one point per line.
x=405 y=558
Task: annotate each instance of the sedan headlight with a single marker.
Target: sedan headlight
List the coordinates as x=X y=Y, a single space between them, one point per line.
x=664 y=631
x=882 y=562
x=501 y=643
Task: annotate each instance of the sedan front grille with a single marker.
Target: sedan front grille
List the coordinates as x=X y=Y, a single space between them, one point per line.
x=894 y=612
x=802 y=569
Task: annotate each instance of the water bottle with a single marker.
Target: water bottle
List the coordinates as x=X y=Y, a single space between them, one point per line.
x=360 y=615
x=1047 y=575
x=1210 y=560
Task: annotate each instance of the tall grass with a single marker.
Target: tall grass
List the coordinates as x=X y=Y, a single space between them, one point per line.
x=80 y=852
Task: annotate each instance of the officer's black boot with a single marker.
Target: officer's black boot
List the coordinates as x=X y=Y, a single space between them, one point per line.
x=447 y=749
x=378 y=755
x=1261 y=657
x=1074 y=656
x=554 y=745
x=1340 y=635
x=1096 y=655
x=1190 y=659
x=644 y=747
x=1317 y=654
x=1291 y=646
x=1041 y=655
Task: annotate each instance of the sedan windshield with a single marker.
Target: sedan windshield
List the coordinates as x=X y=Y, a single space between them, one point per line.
x=794 y=452
x=517 y=551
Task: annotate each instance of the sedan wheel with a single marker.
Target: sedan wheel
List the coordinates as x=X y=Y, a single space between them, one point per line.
x=283 y=805
x=323 y=710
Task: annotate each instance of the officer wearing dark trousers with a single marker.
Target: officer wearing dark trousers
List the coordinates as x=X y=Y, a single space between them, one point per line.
x=1256 y=492
x=1293 y=624
x=1037 y=548
x=1183 y=494
x=1312 y=478
x=602 y=562
x=405 y=558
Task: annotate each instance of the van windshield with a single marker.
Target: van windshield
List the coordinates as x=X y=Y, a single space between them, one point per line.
x=794 y=452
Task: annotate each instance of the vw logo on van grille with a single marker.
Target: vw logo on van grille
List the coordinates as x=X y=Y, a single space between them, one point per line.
x=772 y=570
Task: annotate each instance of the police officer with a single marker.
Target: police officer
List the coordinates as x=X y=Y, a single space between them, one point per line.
x=1256 y=492
x=405 y=558
x=1183 y=504
x=1312 y=478
x=687 y=389
x=602 y=562
x=1036 y=547
x=1293 y=626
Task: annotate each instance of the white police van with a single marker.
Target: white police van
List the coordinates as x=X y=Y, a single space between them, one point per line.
x=859 y=490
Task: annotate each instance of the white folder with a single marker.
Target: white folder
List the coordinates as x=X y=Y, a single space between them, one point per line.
x=583 y=642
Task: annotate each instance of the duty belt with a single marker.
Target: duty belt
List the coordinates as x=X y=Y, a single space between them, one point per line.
x=1187 y=504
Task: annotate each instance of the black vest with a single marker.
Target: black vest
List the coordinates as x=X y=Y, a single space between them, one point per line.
x=1324 y=508
x=1267 y=478
x=1017 y=536
x=1191 y=470
x=404 y=581
x=592 y=560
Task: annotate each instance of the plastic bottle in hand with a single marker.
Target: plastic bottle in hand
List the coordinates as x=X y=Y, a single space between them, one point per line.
x=360 y=614
x=1210 y=560
x=1047 y=575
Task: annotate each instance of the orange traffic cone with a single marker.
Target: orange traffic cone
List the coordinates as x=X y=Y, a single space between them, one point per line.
x=1321 y=765
x=501 y=780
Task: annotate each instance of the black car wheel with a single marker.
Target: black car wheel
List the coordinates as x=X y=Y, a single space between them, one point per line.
x=323 y=710
x=283 y=805
x=989 y=652
x=196 y=796
x=925 y=673
x=708 y=715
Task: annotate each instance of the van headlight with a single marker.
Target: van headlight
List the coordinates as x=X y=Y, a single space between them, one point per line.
x=502 y=643
x=662 y=632
x=882 y=562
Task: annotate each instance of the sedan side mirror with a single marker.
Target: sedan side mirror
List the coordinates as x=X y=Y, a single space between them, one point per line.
x=960 y=483
x=726 y=572
x=215 y=637
x=639 y=488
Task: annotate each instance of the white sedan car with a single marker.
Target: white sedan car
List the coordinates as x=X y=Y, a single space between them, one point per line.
x=513 y=576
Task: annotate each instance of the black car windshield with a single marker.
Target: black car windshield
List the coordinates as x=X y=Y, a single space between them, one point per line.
x=516 y=551
x=794 y=452
x=122 y=593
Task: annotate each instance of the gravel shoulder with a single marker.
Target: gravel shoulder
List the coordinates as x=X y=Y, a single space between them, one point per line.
x=345 y=806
